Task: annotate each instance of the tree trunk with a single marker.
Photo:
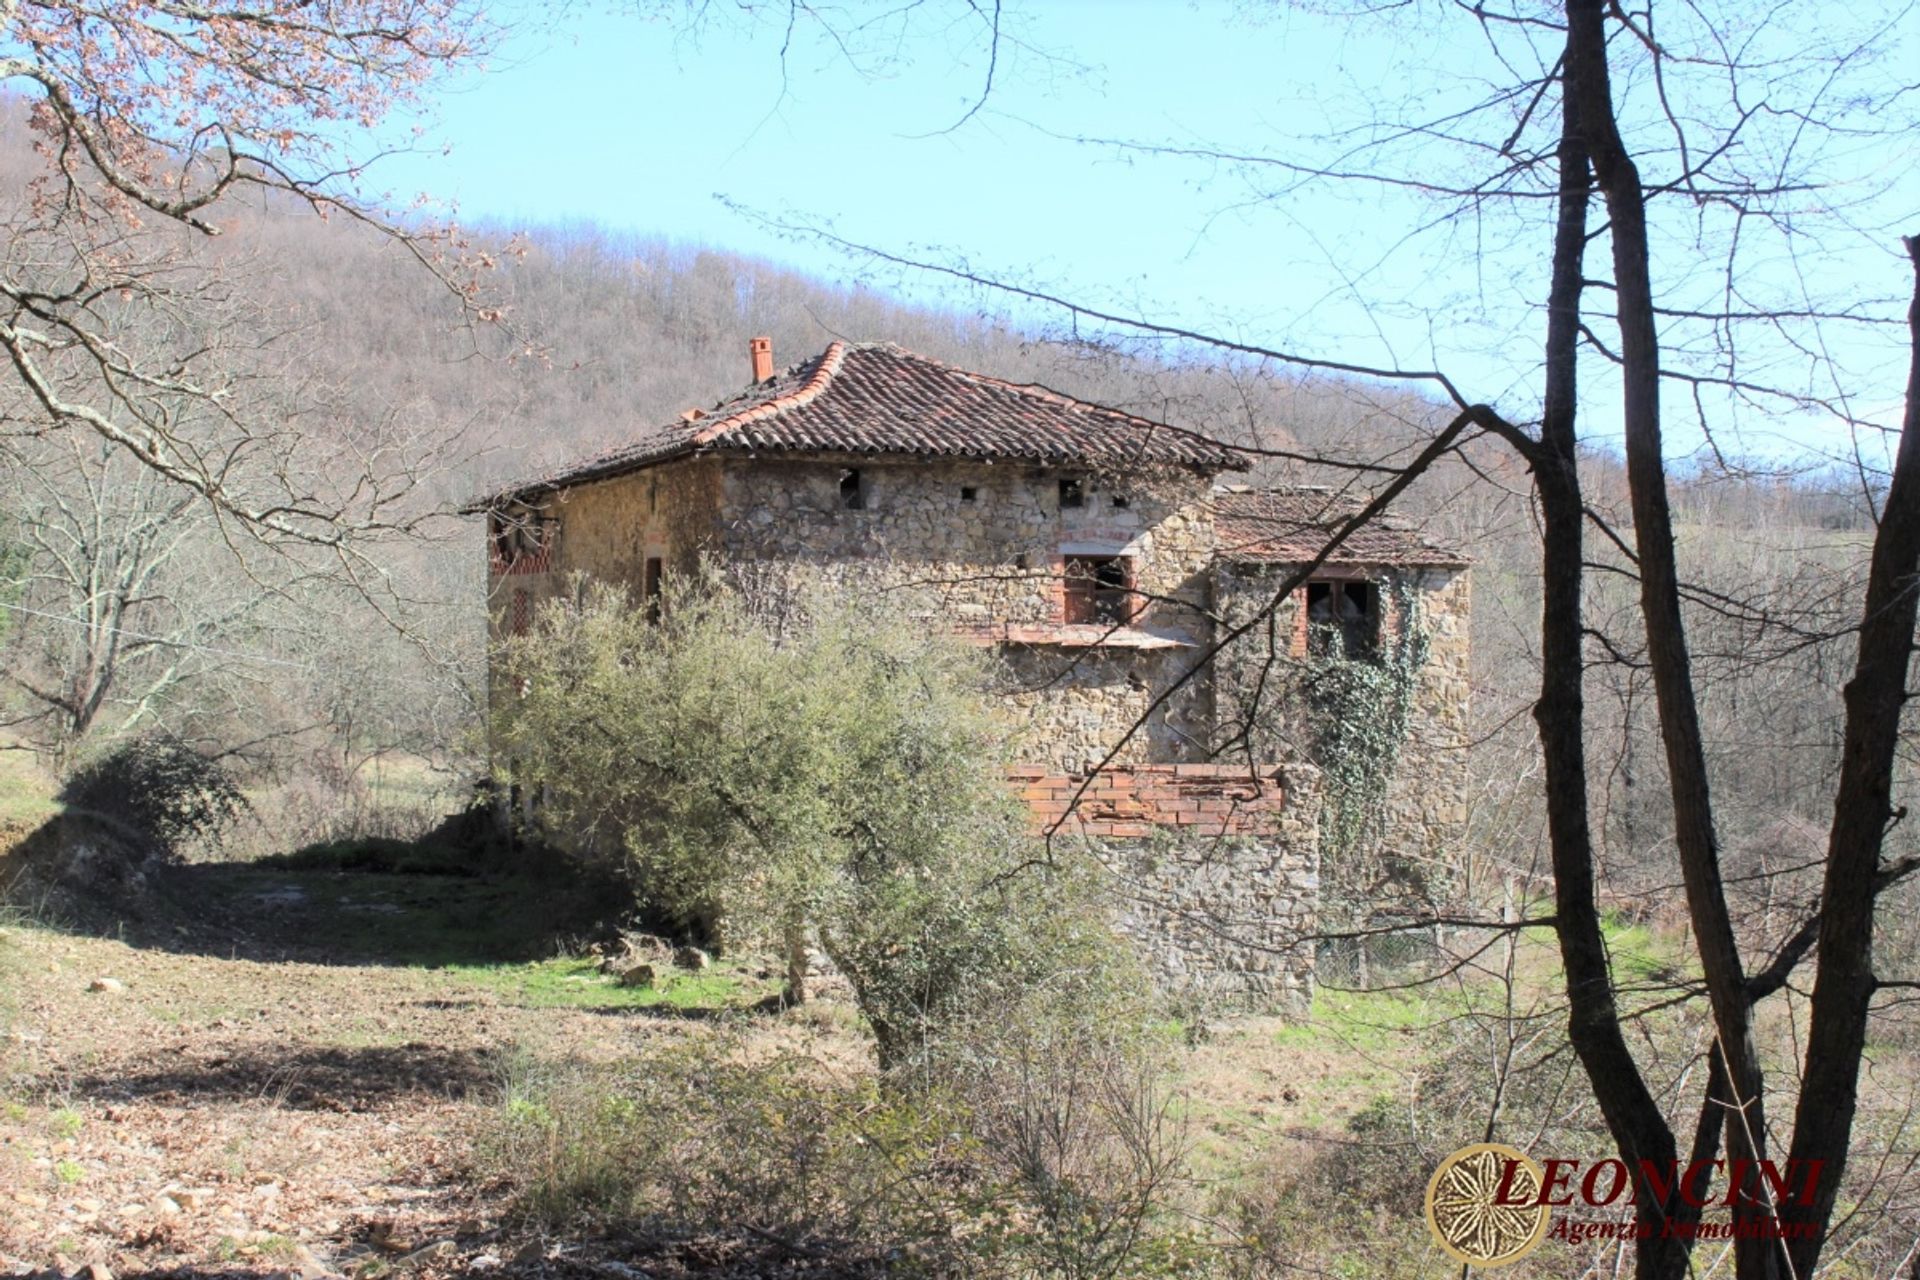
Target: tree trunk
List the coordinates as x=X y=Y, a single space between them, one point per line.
x=794 y=945
x=1589 y=98
x=1862 y=809
x=1633 y=1117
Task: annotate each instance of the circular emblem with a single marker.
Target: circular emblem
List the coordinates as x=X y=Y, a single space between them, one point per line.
x=1464 y=1209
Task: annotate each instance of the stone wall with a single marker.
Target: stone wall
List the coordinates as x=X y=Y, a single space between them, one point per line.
x=1073 y=705
x=609 y=530
x=1426 y=803
x=992 y=565
x=1215 y=871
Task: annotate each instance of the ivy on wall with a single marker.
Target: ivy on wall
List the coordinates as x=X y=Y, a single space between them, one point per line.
x=1357 y=713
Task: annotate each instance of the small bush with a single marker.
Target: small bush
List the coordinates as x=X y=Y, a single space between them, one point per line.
x=1065 y=1103
x=1048 y=1156
x=690 y=1140
x=159 y=788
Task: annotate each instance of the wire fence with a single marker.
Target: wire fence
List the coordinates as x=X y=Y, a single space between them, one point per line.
x=1378 y=960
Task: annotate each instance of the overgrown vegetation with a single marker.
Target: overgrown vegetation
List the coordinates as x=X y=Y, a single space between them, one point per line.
x=1359 y=708
x=785 y=779
x=160 y=790
x=1051 y=1153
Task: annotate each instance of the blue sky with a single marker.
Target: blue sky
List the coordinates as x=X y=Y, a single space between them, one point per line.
x=644 y=125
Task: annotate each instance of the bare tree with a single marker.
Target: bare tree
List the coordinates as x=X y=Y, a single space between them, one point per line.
x=99 y=629
x=152 y=119
x=1592 y=93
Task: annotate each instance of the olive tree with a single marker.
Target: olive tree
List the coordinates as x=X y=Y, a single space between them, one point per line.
x=834 y=776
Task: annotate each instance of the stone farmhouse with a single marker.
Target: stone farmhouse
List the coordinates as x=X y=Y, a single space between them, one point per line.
x=1102 y=556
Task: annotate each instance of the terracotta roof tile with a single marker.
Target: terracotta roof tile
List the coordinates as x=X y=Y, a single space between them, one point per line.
x=878 y=399
x=1289 y=526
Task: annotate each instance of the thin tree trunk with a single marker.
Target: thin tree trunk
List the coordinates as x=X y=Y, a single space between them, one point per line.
x=1633 y=1117
x=1862 y=809
x=1589 y=95
x=794 y=943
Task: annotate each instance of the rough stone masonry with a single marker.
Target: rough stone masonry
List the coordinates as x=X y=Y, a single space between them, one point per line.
x=1098 y=555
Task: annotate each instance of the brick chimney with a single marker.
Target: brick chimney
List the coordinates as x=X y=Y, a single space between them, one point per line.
x=761 y=349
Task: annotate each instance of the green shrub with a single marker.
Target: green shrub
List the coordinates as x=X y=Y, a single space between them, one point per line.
x=836 y=776
x=159 y=788
x=839 y=777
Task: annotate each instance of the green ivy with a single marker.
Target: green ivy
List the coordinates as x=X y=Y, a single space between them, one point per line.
x=1358 y=713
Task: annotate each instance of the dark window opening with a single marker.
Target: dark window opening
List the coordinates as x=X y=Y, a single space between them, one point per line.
x=521 y=542
x=1099 y=589
x=650 y=588
x=1073 y=492
x=1343 y=619
x=1120 y=502
x=968 y=493
x=853 y=490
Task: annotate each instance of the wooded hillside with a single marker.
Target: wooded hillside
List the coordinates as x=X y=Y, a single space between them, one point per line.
x=603 y=333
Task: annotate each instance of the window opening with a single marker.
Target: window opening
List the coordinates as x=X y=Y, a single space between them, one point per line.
x=521 y=542
x=650 y=588
x=853 y=491
x=1099 y=589
x=1343 y=619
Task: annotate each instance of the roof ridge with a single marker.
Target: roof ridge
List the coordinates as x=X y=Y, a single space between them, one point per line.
x=1052 y=395
x=1038 y=390
x=817 y=382
x=901 y=402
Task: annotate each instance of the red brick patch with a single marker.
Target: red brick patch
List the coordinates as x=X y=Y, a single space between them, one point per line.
x=1130 y=801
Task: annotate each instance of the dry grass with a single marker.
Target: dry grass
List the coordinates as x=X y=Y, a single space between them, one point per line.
x=26 y=793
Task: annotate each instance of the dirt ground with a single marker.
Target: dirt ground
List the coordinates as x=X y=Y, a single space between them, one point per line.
x=275 y=1071
x=281 y=1073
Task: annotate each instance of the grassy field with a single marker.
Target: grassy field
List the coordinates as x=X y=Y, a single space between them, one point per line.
x=290 y=1063
x=26 y=792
